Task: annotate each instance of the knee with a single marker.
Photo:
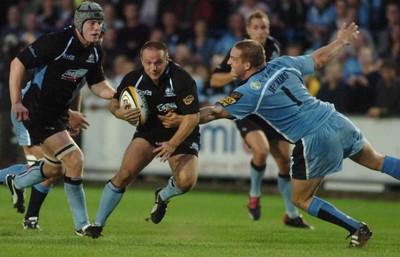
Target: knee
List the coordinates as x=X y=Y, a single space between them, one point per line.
x=283 y=165
x=260 y=154
x=298 y=202
x=73 y=163
x=123 y=178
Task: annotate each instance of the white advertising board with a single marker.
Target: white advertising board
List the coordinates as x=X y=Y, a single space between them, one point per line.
x=223 y=153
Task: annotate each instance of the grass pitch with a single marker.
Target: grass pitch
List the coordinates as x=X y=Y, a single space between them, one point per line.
x=200 y=223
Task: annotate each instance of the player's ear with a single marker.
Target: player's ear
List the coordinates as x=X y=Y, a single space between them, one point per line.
x=247 y=66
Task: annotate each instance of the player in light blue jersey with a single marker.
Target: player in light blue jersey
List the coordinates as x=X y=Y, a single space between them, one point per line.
x=322 y=136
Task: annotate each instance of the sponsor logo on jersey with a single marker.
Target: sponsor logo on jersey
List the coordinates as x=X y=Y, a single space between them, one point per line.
x=69 y=57
x=255 y=85
x=167 y=107
x=90 y=59
x=227 y=100
x=32 y=51
x=169 y=92
x=231 y=99
x=236 y=95
x=146 y=92
x=74 y=75
x=195 y=146
x=188 y=99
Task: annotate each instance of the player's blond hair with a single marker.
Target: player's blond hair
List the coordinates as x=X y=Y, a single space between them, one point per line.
x=252 y=52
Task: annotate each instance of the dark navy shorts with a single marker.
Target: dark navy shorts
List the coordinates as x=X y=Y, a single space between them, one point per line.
x=191 y=145
x=253 y=123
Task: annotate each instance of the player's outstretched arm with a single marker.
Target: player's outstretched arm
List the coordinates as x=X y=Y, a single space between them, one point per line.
x=346 y=36
x=213 y=112
x=220 y=79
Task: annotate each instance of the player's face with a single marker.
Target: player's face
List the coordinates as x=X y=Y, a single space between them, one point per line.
x=92 y=31
x=258 y=30
x=238 y=68
x=154 y=63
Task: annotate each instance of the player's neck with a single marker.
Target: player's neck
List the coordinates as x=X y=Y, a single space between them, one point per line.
x=81 y=39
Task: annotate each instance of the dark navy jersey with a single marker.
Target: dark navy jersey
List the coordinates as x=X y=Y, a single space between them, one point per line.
x=61 y=62
x=175 y=92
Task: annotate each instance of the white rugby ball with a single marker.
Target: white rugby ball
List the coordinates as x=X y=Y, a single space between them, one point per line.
x=133 y=97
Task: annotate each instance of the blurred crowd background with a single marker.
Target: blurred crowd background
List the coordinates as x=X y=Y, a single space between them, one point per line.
x=364 y=80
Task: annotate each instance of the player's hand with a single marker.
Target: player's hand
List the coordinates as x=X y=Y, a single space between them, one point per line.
x=128 y=114
x=164 y=150
x=77 y=120
x=348 y=33
x=170 y=120
x=20 y=112
x=74 y=132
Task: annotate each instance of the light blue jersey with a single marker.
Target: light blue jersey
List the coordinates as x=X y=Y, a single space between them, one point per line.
x=281 y=98
x=277 y=94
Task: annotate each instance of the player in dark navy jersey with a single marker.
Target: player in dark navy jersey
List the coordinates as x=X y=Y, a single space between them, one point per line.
x=262 y=140
x=167 y=88
x=322 y=137
x=62 y=60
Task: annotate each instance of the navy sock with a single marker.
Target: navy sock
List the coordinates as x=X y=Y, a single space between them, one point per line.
x=38 y=195
x=326 y=211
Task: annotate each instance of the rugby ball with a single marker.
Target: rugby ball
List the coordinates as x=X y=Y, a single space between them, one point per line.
x=133 y=97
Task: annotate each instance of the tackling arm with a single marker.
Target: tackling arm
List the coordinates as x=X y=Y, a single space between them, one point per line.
x=220 y=79
x=214 y=112
x=346 y=35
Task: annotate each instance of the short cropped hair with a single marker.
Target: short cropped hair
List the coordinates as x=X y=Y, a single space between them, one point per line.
x=252 y=52
x=157 y=45
x=257 y=15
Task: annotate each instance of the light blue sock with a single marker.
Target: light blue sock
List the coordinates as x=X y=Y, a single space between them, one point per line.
x=76 y=199
x=110 y=198
x=31 y=177
x=170 y=190
x=391 y=166
x=15 y=170
x=326 y=211
x=286 y=191
x=256 y=178
x=42 y=189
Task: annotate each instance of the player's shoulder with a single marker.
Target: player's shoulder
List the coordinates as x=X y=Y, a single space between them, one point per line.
x=273 y=40
x=60 y=35
x=131 y=77
x=178 y=73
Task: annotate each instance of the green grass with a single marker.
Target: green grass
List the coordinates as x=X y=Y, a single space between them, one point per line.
x=200 y=223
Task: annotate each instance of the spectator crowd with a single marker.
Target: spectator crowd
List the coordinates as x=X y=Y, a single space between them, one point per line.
x=364 y=80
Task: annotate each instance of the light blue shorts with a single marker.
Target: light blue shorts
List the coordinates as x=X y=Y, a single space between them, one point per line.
x=23 y=136
x=322 y=152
